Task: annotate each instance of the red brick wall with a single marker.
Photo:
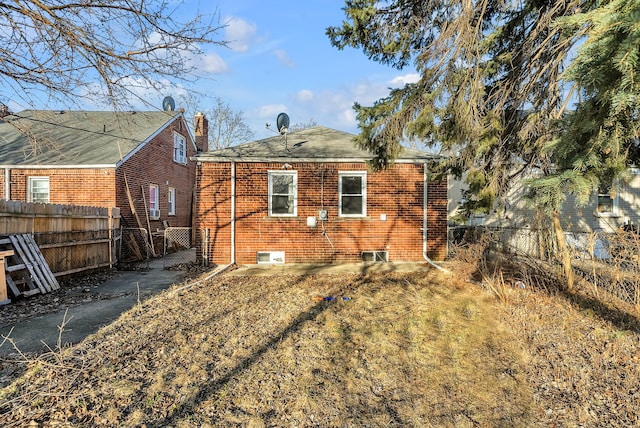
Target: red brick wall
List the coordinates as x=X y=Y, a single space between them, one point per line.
x=213 y=210
x=154 y=164
x=398 y=193
x=88 y=187
x=437 y=198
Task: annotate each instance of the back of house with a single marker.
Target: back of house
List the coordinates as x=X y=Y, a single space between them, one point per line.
x=308 y=196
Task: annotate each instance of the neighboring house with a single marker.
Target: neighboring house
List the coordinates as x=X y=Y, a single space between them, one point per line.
x=139 y=162
x=308 y=197
x=606 y=211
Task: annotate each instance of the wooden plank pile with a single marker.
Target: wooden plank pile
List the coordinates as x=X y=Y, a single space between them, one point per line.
x=26 y=271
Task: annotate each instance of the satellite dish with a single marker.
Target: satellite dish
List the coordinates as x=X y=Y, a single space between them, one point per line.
x=282 y=122
x=168 y=104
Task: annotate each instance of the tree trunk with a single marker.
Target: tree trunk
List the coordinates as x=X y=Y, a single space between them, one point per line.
x=564 y=251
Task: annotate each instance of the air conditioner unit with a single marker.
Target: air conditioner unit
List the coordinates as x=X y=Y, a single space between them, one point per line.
x=270 y=257
x=375 y=256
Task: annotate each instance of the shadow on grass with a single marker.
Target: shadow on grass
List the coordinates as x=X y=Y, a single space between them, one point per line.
x=211 y=389
x=618 y=318
x=549 y=282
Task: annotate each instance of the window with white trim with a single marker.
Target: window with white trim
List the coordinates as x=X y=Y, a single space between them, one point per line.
x=172 y=201
x=179 y=148
x=283 y=193
x=154 y=201
x=38 y=189
x=352 y=194
x=607 y=202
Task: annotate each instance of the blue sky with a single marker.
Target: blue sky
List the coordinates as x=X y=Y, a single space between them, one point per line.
x=278 y=60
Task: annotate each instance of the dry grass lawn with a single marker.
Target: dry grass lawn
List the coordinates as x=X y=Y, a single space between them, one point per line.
x=401 y=349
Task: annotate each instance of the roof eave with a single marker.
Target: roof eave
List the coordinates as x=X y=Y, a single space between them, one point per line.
x=157 y=132
x=224 y=159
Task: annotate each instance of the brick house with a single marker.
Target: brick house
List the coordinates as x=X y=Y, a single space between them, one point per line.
x=139 y=162
x=308 y=197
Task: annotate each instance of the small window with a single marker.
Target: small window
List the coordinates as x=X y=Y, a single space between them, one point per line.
x=283 y=193
x=154 y=205
x=179 y=148
x=172 y=201
x=38 y=190
x=352 y=189
x=607 y=202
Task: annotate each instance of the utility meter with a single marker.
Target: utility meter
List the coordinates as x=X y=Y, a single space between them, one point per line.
x=322 y=215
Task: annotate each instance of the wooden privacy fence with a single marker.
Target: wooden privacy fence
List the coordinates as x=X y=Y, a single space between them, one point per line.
x=71 y=238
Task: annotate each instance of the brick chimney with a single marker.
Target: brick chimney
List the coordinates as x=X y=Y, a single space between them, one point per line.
x=202 y=132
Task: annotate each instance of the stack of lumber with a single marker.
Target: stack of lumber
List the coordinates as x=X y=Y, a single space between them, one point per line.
x=25 y=269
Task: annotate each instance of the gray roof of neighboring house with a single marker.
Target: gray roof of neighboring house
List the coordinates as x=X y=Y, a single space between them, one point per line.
x=76 y=138
x=317 y=144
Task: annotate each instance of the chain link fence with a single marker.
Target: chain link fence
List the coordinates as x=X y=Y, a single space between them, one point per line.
x=134 y=248
x=607 y=261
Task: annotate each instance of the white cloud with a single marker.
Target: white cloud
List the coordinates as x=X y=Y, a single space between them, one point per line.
x=209 y=63
x=403 y=80
x=284 y=58
x=348 y=118
x=140 y=94
x=270 y=111
x=240 y=34
x=304 y=96
x=332 y=107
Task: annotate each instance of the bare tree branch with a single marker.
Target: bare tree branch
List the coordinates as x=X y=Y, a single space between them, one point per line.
x=95 y=47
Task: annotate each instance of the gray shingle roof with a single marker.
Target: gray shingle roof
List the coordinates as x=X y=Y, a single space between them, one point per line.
x=317 y=144
x=58 y=138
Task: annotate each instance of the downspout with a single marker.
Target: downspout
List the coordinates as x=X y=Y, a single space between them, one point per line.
x=233 y=213
x=7 y=184
x=424 y=226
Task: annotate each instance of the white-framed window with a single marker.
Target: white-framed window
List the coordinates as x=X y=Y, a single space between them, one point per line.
x=172 y=201
x=607 y=202
x=283 y=193
x=179 y=148
x=38 y=189
x=352 y=194
x=154 y=201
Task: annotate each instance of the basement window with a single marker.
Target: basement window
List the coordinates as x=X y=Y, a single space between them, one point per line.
x=375 y=256
x=270 y=257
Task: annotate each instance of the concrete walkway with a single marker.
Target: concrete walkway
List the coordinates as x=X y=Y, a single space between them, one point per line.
x=126 y=287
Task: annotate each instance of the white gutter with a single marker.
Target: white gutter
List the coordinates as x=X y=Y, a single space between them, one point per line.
x=96 y=166
x=206 y=157
x=233 y=213
x=424 y=226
